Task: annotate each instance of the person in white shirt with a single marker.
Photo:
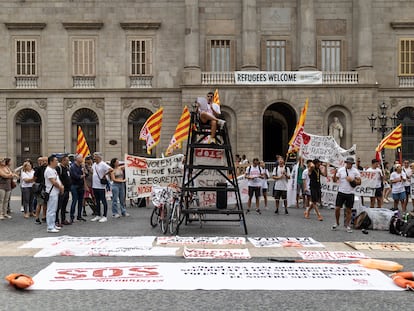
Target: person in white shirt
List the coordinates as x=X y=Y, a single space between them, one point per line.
x=210 y=114
x=408 y=173
x=100 y=169
x=27 y=180
x=281 y=174
x=254 y=176
x=378 y=185
x=306 y=184
x=349 y=177
x=53 y=187
x=397 y=180
x=265 y=186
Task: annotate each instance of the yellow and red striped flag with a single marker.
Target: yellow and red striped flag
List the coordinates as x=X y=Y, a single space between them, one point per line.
x=151 y=130
x=392 y=141
x=82 y=146
x=181 y=132
x=296 y=139
x=216 y=97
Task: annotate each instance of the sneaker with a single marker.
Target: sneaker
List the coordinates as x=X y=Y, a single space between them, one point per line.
x=221 y=123
x=125 y=215
x=58 y=227
x=348 y=229
x=54 y=230
x=38 y=222
x=22 y=209
x=96 y=218
x=80 y=218
x=334 y=227
x=258 y=211
x=2 y=217
x=116 y=216
x=103 y=219
x=8 y=216
x=66 y=223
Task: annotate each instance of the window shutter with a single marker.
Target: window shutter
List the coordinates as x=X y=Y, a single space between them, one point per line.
x=208 y=55
x=233 y=53
x=288 y=56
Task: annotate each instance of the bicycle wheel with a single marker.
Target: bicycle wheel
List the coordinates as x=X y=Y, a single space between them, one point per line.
x=164 y=218
x=154 y=217
x=175 y=217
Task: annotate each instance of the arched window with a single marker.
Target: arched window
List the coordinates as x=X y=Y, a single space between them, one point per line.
x=136 y=120
x=28 y=135
x=88 y=121
x=406 y=117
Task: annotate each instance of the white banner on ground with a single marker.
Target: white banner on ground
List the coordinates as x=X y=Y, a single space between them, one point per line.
x=214 y=240
x=325 y=149
x=108 y=251
x=210 y=276
x=67 y=241
x=141 y=173
x=284 y=242
x=277 y=77
x=328 y=255
x=208 y=253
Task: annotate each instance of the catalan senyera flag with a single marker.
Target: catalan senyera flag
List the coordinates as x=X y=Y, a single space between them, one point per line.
x=82 y=146
x=181 y=132
x=151 y=130
x=296 y=139
x=392 y=141
x=216 y=97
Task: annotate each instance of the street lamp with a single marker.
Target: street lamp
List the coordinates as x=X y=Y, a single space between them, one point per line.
x=382 y=122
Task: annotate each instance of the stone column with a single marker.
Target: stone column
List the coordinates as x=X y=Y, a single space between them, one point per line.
x=363 y=12
x=192 y=72
x=306 y=35
x=249 y=35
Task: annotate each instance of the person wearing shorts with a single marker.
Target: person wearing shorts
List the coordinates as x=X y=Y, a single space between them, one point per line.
x=281 y=174
x=254 y=175
x=346 y=175
x=397 y=180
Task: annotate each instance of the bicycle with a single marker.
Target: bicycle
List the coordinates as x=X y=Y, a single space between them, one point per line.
x=166 y=210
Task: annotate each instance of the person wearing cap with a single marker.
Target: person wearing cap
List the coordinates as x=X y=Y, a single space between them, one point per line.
x=315 y=172
x=379 y=178
x=397 y=180
x=100 y=170
x=349 y=177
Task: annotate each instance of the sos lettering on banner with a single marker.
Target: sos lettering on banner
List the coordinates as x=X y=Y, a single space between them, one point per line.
x=141 y=173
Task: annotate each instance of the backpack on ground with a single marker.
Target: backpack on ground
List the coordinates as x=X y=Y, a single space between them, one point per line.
x=408 y=229
x=396 y=225
x=362 y=221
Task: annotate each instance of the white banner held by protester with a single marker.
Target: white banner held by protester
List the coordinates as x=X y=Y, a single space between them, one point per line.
x=325 y=149
x=141 y=173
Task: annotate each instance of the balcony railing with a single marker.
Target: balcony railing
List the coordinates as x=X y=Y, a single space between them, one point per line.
x=227 y=77
x=83 y=82
x=406 y=81
x=26 y=82
x=140 y=81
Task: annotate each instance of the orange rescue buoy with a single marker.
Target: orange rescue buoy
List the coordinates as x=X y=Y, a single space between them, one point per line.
x=379 y=264
x=404 y=279
x=20 y=280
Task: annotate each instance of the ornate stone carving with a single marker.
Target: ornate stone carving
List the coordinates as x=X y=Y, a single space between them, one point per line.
x=99 y=103
x=42 y=103
x=12 y=103
x=127 y=103
x=69 y=103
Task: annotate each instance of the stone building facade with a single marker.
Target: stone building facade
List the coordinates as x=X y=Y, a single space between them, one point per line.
x=107 y=65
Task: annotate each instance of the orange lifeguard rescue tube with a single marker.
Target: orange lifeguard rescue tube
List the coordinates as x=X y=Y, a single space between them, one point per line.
x=404 y=279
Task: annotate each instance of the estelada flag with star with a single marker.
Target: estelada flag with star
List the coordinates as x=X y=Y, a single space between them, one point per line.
x=82 y=147
x=181 y=132
x=151 y=130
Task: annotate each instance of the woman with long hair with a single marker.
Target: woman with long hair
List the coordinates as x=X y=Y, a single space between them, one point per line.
x=118 y=188
x=6 y=178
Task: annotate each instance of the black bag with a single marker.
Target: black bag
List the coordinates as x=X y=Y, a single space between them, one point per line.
x=408 y=229
x=44 y=195
x=353 y=184
x=362 y=221
x=104 y=181
x=37 y=188
x=396 y=225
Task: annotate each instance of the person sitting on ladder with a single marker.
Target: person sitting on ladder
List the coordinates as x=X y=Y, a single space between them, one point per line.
x=209 y=114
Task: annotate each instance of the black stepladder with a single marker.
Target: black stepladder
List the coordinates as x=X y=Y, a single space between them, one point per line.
x=197 y=134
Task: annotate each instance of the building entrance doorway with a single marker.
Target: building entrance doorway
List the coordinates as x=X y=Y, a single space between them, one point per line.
x=279 y=121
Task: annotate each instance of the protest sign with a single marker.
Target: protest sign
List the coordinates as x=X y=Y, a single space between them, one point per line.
x=141 y=173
